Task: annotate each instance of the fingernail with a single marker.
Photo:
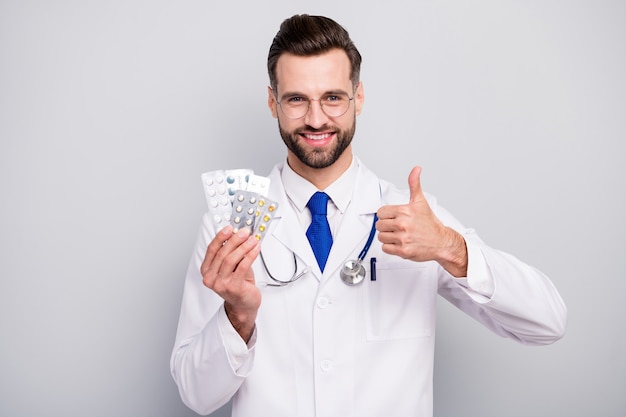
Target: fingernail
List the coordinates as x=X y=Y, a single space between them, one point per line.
x=243 y=233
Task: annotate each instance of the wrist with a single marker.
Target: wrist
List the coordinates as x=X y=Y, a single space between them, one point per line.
x=241 y=320
x=453 y=254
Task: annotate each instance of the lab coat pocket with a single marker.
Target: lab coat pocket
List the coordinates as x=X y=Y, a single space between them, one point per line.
x=400 y=304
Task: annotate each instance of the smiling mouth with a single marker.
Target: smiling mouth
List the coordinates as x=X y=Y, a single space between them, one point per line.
x=316 y=136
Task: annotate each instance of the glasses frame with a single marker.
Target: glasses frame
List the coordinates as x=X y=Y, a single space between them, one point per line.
x=309 y=100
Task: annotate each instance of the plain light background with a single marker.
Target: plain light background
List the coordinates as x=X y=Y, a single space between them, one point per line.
x=111 y=110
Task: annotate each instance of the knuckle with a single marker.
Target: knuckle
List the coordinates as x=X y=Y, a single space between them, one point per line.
x=208 y=281
x=229 y=263
x=223 y=287
x=399 y=210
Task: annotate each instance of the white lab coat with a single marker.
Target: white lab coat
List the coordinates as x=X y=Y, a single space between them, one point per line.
x=324 y=349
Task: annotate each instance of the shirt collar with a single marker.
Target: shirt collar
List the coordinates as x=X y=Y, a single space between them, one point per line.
x=299 y=190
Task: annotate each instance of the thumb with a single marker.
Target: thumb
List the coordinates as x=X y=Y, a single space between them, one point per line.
x=415 y=185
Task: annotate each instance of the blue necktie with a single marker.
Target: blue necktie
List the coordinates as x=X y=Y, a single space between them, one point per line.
x=318 y=232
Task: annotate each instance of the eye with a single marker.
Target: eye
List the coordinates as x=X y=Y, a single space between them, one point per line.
x=296 y=100
x=335 y=99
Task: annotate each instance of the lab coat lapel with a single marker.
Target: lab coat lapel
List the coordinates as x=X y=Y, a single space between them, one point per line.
x=288 y=234
x=286 y=231
x=356 y=224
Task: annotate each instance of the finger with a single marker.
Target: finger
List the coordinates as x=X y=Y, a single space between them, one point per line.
x=388 y=238
x=386 y=212
x=249 y=257
x=220 y=248
x=230 y=248
x=415 y=185
x=214 y=246
x=231 y=262
x=393 y=249
x=386 y=225
x=392 y=212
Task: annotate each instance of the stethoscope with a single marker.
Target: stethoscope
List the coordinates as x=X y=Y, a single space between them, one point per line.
x=352 y=272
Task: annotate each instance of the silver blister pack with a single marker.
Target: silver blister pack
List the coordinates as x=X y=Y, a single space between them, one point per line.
x=253 y=211
x=238 y=197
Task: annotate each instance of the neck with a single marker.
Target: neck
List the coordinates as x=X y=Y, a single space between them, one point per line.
x=321 y=178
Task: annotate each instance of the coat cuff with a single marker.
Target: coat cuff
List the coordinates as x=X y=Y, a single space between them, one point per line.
x=240 y=355
x=479 y=283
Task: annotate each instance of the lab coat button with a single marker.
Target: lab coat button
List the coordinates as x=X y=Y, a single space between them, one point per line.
x=323 y=302
x=326 y=365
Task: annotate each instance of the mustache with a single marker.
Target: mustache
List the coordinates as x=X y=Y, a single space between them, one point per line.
x=310 y=129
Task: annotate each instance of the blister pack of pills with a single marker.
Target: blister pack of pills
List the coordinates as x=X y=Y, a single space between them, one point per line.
x=258 y=184
x=237 y=179
x=239 y=197
x=217 y=197
x=254 y=211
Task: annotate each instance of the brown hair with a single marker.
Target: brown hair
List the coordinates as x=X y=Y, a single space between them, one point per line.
x=305 y=35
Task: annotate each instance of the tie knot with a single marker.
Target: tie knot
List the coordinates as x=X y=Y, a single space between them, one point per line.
x=318 y=203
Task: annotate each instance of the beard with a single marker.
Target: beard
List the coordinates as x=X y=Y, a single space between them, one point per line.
x=318 y=157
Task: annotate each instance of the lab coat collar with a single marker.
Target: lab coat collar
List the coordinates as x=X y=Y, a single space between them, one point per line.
x=351 y=236
x=300 y=190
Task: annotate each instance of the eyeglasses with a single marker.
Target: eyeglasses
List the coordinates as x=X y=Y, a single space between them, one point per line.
x=332 y=104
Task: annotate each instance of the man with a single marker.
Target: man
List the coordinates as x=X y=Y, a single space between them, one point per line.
x=317 y=346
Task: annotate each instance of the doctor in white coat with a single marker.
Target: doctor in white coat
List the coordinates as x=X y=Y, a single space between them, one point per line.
x=281 y=333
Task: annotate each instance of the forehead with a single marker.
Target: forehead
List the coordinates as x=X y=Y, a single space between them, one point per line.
x=313 y=74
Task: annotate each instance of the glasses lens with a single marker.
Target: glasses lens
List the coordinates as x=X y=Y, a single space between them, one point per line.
x=295 y=108
x=333 y=105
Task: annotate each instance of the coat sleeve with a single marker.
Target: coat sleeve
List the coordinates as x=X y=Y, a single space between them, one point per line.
x=508 y=296
x=209 y=361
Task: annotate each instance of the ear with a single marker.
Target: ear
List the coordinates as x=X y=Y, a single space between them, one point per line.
x=271 y=102
x=359 y=98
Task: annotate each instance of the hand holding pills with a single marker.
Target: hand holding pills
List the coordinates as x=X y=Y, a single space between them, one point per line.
x=226 y=269
x=240 y=210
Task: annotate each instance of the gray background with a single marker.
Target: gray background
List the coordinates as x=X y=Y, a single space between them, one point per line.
x=110 y=111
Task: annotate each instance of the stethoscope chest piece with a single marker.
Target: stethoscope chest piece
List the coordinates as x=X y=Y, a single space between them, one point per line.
x=352 y=273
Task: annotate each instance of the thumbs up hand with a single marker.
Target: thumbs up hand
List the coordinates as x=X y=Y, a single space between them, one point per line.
x=412 y=231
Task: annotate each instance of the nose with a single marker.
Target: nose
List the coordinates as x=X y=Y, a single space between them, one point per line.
x=315 y=117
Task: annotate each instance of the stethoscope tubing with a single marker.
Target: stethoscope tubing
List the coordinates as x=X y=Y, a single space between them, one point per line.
x=351 y=268
x=370 y=239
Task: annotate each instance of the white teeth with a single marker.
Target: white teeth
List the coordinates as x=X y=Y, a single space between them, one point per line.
x=318 y=137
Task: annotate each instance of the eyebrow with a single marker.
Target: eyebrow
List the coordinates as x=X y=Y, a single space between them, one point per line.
x=289 y=94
